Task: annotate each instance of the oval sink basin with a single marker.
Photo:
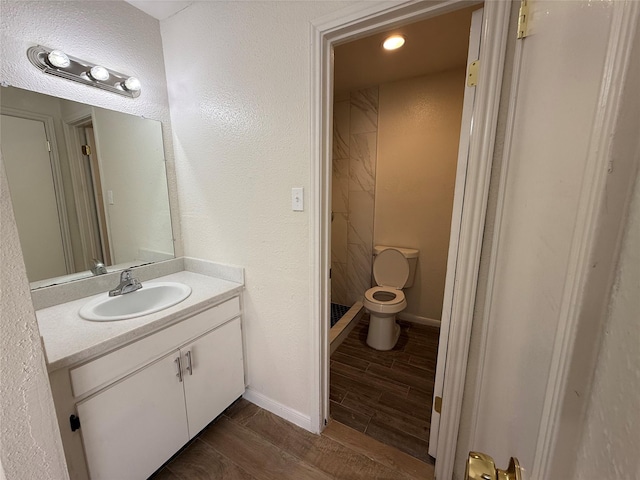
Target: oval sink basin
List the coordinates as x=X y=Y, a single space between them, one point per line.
x=151 y=298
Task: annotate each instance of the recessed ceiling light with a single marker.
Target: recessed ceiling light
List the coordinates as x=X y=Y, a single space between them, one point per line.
x=393 y=42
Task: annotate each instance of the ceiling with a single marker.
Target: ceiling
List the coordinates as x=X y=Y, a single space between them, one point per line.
x=433 y=45
x=159 y=9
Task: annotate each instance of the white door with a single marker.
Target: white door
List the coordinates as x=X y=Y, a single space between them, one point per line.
x=213 y=374
x=130 y=429
x=28 y=167
x=458 y=205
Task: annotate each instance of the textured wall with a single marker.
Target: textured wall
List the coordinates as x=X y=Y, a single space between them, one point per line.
x=125 y=39
x=355 y=136
x=242 y=141
x=609 y=443
x=418 y=135
x=30 y=444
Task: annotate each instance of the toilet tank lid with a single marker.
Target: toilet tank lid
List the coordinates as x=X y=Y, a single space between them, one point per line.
x=407 y=252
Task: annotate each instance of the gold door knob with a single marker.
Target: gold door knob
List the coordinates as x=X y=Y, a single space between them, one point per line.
x=482 y=467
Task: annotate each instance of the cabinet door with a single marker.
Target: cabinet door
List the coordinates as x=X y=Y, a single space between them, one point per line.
x=130 y=429
x=214 y=374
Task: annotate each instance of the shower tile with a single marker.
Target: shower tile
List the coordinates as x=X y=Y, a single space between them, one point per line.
x=364 y=110
x=359 y=268
x=340 y=194
x=339 y=283
x=353 y=297
x=340 y=168
x=360 y=231
x=339 y=238
x=362 y=161
x=362 y=202
x=341 y=122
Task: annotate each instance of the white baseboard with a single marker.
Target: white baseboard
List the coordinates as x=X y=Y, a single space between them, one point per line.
x=293 y=416
x=409 y=317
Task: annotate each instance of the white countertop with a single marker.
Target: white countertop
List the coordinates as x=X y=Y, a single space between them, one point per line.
x=69 y=339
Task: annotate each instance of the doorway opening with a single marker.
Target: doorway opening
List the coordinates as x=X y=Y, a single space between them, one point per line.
x=330 y=33
x=90 y=199
x=397 y=119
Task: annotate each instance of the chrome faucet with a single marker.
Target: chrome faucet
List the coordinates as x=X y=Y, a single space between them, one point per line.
x=128 y=284
x=98 y=267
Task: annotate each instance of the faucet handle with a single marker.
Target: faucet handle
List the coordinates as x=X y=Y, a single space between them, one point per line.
x=126 y=275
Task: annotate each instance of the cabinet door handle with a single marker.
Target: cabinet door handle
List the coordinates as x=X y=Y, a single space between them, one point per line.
x=189 y=367
x=179 y=374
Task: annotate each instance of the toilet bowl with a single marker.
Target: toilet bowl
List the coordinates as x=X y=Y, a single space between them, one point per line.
x=393 y=269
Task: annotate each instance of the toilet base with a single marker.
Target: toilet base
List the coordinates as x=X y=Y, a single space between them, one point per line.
x=383 y=332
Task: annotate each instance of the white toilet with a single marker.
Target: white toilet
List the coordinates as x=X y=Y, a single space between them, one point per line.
x=393 y=269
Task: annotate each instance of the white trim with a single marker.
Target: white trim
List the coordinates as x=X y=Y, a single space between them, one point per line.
x=410 y=317
x=350 y=24
x=279 y=409
x=586 y=241
x=77 y=179
x=61 y=203
x=492 y=54
x=491 y=276
x=468 y=103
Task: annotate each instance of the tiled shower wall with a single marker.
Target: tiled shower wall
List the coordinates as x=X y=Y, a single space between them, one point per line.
x=355 y=132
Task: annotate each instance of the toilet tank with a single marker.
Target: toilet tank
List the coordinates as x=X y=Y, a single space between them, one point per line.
x=411 y=254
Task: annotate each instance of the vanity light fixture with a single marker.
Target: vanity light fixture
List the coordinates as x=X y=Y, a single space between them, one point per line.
x=393 y=42
x=58 y=63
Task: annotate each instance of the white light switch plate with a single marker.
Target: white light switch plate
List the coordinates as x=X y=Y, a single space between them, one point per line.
x=297 y=199
x=110 y=197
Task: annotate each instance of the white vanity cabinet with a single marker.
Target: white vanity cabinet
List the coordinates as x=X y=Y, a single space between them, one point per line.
x=138 y=405
x=133 y=427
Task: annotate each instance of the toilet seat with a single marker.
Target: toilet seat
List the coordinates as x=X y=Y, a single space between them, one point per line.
x=396 y=295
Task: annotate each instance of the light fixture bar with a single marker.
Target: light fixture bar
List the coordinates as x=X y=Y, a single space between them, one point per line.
x=81 y=71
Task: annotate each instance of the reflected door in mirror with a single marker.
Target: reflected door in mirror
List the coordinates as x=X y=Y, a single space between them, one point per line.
x=28 y=167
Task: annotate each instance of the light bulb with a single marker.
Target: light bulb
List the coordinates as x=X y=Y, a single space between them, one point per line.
x=99 y=73
x=132 y=84
x=58 y=59
x=393 y=42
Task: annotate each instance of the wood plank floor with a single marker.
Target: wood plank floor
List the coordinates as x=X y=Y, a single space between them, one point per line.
x=387 y=395
x=249 y=443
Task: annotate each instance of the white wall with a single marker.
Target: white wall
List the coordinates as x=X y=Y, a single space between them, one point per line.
x=609 y=443
x=127 y=40
x=611 y=430
x=418 y=134
x=30 y=445
x=240 y=115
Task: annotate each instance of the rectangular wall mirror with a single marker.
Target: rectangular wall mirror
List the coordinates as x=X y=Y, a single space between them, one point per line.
x=88 y=186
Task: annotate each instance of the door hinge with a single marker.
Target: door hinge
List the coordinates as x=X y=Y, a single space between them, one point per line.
x=523 y=19
x=437 y=404
x=74 y=422
x=86 y=150
x=48 y=146
x=472 y=76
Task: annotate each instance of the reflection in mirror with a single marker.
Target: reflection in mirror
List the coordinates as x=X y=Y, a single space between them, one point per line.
x=88 y=186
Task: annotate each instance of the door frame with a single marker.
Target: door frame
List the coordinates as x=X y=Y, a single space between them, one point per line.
x=58 y=183
x=72 y=125
x=350 y=24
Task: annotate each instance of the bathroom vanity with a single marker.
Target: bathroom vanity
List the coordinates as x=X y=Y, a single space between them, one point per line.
x=130 y=393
